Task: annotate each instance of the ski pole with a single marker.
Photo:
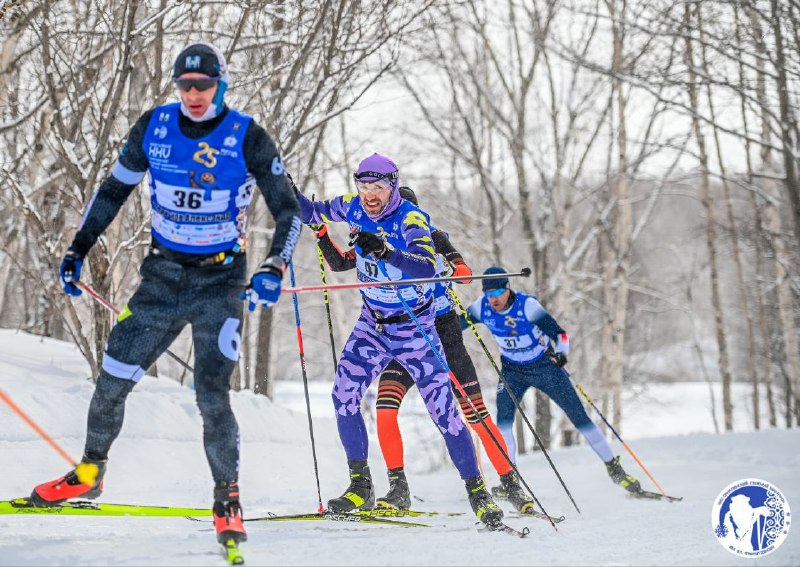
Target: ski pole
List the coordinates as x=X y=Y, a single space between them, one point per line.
x=326 y=297
x=50 y=441
x=305 y=386
x=524 y=272
x=102 y=301
x=611 y=427
x=512 y=396
x=455 y=381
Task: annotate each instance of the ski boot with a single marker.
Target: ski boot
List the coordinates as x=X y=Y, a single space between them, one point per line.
x=228 y=513
x=360 y=495
x=482 y=503
x=398 y=497
x=512 y=491
x=620 y=477
x=84 y=481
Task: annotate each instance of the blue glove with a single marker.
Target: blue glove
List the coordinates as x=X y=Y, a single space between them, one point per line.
x=265 y=285
x=70 y=272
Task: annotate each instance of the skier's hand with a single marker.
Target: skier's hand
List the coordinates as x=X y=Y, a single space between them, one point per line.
x=370 y=243
x=320 y=230
x=462 y=270
x=560 y=350
x=447 y=271
x=265 y=285
x=70 y=272
x=559 y=359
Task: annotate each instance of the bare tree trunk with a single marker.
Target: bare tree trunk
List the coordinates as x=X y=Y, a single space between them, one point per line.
x=744 y=303
x=617 y=270
x=787 y=127
x=727 y=404
x=768 y=208
x=544 y=418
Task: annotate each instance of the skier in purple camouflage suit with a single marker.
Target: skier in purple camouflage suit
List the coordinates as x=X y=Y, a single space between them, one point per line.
x=391 y=233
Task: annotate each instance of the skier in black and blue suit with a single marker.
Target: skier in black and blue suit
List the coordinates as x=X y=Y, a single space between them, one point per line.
x=204 y=161
x=533 y=350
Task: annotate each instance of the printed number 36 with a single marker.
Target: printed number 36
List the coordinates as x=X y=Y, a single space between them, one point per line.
x=188 y=198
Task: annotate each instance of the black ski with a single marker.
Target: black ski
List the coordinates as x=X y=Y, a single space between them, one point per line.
x=649 y=495
x=337 y=517
x=398 y=513
x=539 y=515
x=501 y=527
x=500 y=493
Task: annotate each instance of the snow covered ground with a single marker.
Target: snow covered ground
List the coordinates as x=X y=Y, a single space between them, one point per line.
x=159 y=460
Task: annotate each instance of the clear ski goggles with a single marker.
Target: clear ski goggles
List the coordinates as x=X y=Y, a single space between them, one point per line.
x=373 y=182
x=495 y=292
x=201 y=84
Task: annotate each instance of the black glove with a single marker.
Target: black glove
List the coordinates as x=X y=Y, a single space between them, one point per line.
x=370 y=243
x=559 y=358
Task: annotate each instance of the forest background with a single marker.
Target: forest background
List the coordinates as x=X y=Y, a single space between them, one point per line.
x=640 y=156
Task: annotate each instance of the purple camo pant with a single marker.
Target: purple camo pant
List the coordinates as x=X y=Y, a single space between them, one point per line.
x=367 y=353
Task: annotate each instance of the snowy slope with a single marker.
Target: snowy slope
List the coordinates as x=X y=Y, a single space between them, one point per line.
x=159 y=460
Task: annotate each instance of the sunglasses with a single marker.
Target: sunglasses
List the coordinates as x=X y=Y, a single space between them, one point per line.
x=495 y=292
x=185 y=85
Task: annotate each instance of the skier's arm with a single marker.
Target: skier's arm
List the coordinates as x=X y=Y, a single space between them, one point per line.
x=126 y=174
x=474 y=314
x=264 y=163
x=318 y=212
x=418 y=259
x=537 y=315
x=338 y=260
x=443 y=246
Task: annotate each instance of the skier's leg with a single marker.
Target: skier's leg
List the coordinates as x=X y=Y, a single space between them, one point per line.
x=554 y=382
x=551 y=380
x=461 y=364
x=144 y=329
x=393 y=385
x=216 y=314
x=506 y=408
x=392 y=388
x=412 y=350
x=363 y=357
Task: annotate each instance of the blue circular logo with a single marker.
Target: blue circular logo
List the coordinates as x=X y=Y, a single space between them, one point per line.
x=751 y=518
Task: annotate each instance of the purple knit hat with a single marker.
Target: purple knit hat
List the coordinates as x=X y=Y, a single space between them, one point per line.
x=380 y=168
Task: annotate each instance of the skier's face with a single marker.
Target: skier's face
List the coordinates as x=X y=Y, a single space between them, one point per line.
x=196 y=91
x=497 y=301
x=374 y=196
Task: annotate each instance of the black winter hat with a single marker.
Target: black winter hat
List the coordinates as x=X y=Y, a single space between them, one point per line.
x=197 y=58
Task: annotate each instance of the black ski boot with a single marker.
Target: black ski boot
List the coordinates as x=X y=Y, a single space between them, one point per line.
x=360 y=495
x=398 y=497
x=482 y=503
x=227 y=511
x=620 y=477
x=510 y=487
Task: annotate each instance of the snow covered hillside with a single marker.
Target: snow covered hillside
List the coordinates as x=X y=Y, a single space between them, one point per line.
x=159 y=460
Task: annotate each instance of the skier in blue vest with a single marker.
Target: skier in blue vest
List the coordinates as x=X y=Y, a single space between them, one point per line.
x=533 y=350
x=204 y=161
